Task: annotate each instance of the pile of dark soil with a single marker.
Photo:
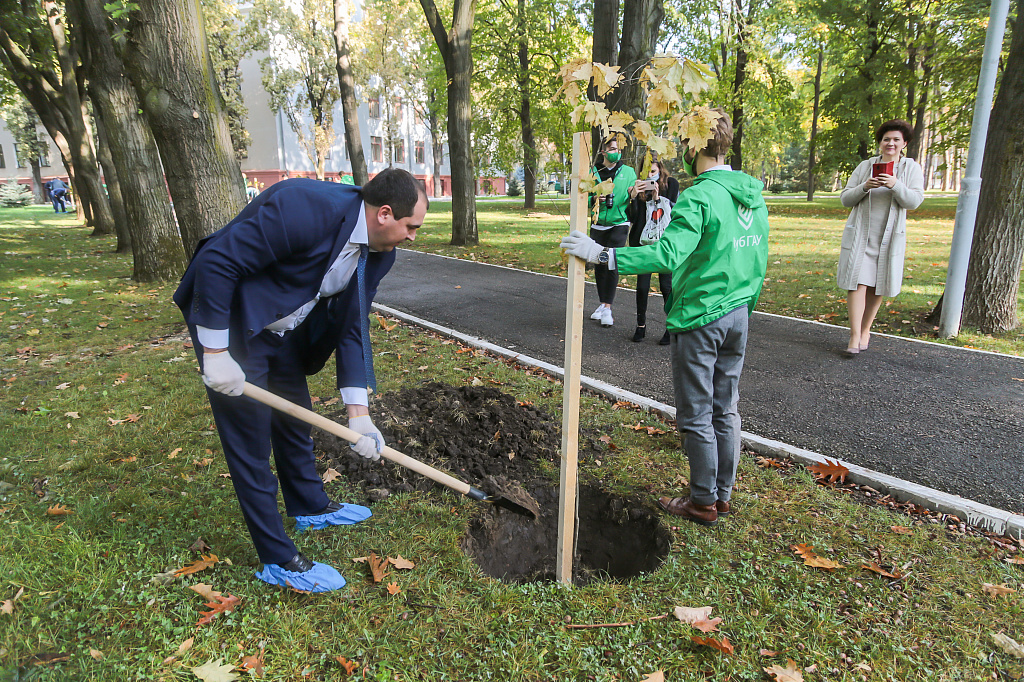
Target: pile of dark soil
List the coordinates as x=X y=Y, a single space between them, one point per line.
x=494 y=442
x=471 y=432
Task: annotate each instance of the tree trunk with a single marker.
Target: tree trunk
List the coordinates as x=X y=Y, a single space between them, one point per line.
x=737 y=82
x=167 y=61
x=605 y=49
x=529 y=146
x=455 y=50
x=916 y=145
x=155 y=242
x=814 y=125
x=641 y=22
x=993 y=273
x=37 y=182
x=110 y=177
x=347 y=87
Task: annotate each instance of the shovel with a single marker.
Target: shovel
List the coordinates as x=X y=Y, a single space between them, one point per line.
x=278 y=403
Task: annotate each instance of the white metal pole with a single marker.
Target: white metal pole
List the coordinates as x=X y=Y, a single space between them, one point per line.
x=970 y=185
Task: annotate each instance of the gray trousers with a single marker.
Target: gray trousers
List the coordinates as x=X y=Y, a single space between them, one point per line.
x=706 y=367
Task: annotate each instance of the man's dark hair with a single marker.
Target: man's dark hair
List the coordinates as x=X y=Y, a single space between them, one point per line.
x=396 y=188
x=899 y=124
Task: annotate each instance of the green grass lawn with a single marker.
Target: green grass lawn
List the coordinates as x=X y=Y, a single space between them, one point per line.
x=111 y=472
x=804 y=242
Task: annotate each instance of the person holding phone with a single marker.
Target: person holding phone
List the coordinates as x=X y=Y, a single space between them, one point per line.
x=612 y=226
x=875 y=238
x=653 y=199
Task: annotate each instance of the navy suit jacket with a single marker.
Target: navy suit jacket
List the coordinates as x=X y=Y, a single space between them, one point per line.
x=271 y=260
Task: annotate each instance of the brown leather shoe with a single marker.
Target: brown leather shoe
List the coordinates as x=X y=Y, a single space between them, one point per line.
x=722 y=508
x=705 y=515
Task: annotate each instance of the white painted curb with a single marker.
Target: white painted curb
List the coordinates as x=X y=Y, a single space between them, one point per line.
x=981 y=515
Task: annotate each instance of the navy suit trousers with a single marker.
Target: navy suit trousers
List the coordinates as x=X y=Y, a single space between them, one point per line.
x=249 y=431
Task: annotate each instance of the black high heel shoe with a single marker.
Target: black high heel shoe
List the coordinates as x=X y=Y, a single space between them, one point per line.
x=640 y=333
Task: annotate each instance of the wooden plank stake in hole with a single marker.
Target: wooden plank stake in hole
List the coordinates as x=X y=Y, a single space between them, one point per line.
x=568 y=485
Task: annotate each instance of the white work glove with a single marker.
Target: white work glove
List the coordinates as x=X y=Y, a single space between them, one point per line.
x=372 y=442
x=580 y=245
x=222 y=373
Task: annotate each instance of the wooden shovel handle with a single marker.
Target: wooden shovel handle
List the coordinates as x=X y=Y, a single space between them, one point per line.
x=310 y=417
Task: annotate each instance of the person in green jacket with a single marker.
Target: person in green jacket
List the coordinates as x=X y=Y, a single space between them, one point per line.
x=716 y=248
x=612 y=226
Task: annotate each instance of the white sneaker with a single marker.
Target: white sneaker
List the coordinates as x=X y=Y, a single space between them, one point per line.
x=596 y=315
x=606 y=317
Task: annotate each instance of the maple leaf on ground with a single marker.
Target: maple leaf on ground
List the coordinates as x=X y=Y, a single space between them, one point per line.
x=874 y=567
x=383 y=323
x=401 y=563
x=723 y=645
x=348 y=666
x=1008 y=645
x=829 y=471
x=330 y=475
x=997 y=590
x=769 y=463
x=393 y=589
x=205 y=562
x=221 y=605
x=791 y=673
x=707 y=626
x=205 y=591
x=806 y=552
x=215 y=671
x=378 y=567
x=58 y=510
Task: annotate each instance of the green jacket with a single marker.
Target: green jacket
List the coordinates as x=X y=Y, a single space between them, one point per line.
x=617 y=214
x=716 y=248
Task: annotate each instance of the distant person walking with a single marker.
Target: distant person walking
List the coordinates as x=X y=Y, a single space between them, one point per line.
x=875 y=239
x=612 y=226
x=652 y=211
x=58 y=194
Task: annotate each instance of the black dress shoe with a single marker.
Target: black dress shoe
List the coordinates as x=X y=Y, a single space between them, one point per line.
x=640 y=333
x=298 y=564
x=665 y=340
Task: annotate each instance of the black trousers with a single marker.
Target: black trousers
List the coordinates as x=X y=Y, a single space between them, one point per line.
x=607 y=280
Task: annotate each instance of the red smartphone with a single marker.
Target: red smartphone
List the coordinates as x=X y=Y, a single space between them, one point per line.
x=880 y=168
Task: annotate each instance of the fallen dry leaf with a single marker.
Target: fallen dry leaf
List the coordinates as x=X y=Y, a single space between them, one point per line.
x=723 y=645
x=221 y=605
x=202 y=564
x=401 y=563
x=873 y=566
x=829 y=471
x=96 y=654
x=997 y=590
x=656 y=676
x=692 y=614
x=7 y=606
x=61 y=387
x=902 y=530
x=393 y=589
x=1015 y=560
x=769 y=463
x=205 y=591
x=121 y=378
x=1008 y=645
x=767 y=652
x=806 y=552
x=330 y=475
x=58 y=510
x=348 y=666
x=73 y=415
x=378 y=567
x=791 y=673
x=387 y=327
x=707 y=626
x=173 y=453
x=215 y=671
x=253 y=663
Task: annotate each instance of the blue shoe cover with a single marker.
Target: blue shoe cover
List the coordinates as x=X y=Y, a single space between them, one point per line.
x=346 y=516
x=320 y=578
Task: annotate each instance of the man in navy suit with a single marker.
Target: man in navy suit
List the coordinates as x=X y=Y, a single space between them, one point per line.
x=267 y=299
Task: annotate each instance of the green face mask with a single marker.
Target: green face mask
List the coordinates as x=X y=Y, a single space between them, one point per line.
x=613 y=156
x=690 y=165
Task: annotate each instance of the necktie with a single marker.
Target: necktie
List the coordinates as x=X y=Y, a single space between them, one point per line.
x=364 y=317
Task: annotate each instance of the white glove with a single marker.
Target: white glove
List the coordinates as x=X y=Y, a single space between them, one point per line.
x=222 y=373
x=580 y=245
x=372 y=442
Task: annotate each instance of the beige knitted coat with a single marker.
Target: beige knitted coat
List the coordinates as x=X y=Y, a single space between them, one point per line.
x=907 y=194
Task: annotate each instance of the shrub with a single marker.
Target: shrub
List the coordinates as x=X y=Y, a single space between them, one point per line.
x=13 y=193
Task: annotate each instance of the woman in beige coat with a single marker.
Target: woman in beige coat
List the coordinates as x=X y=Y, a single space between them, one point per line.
x=875 y=238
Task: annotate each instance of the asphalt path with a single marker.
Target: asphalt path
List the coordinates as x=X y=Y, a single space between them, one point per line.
x=944 y=417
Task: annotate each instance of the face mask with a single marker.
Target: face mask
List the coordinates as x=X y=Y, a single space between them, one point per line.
x=613 y=156
x=690 y=165
x=655 y=177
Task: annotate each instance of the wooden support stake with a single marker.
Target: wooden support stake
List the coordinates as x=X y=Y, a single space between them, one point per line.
x=567 y=490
